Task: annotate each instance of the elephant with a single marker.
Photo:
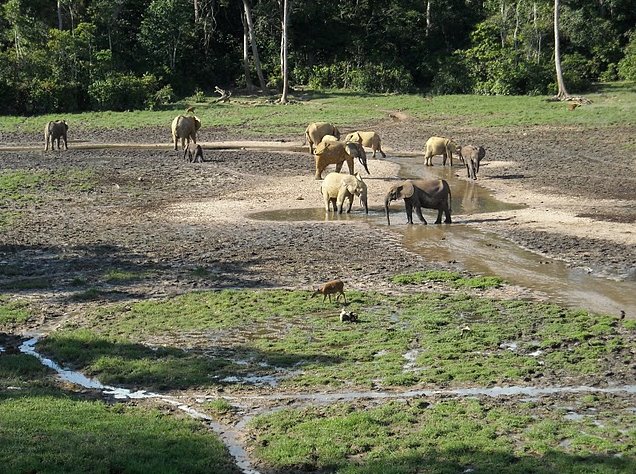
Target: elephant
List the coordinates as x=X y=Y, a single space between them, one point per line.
x=328 y=138
x=315 y=131
x=472 y=156
x=336 y=153
x=185 y=128
x=55 y=131
x=337 y=187
x=439 y=146
x=367 y=139
x=194 y=153
x=429 y=193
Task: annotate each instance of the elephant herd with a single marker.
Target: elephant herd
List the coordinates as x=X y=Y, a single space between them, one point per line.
x=429 y=193
x=326 y=147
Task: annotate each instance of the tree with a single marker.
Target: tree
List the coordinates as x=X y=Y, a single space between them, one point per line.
x=283 y=51
x=252 y=36
x=562 y=93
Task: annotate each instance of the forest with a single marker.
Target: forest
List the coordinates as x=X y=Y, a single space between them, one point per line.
x=76 y=55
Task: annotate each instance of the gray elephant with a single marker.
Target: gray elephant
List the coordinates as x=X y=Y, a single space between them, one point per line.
x=315 y=131
x=55 y=130
x=337 y=187
x=421 y=193
x=185 y=127
x=439 y=146
x=336 y=153
x=472 y=156
x=367 y=139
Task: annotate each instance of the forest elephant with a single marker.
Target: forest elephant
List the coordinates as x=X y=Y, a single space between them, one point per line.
x=337 y=187
x=368 y=140
x=428 y=193
x=185 y=128
x=439 y=146
x=315 y=131
x=194 y=153
x=336 y=153
x=472 y=156
x=55 y=130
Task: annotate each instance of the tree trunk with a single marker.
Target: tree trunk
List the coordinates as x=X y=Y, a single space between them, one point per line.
x=196 y=10
x=283 y=97
x=252 y=35
x=59 y=15
x=562 y=93
x=246 y=60
x=428 y=18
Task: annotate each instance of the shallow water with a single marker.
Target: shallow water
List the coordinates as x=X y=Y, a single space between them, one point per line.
x=483 y=252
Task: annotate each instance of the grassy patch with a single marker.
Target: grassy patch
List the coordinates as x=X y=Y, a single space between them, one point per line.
x=454 y=278
x=123 y=276
x=13 y=311
x=431 y=339
x=45 y=430
x=32 y=283
x=613 y=104
x=444 y=436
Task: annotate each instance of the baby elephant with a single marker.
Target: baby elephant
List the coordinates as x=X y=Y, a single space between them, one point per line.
x=337 y=187
x=55 y=131
x=472 y=156
x=194 y=153
x=331 y=288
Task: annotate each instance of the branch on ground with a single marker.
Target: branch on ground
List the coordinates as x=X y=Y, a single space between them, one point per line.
x=225 y=95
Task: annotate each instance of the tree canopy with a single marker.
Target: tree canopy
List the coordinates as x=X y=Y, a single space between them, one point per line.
x=71 y=55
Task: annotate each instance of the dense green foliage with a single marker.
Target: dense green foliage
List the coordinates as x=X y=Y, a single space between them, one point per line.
x=132 y=54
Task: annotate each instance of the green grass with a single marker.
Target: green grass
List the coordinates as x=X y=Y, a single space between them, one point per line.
x=612 y=104
x=444 y=437
x=456 y=279
x=13 y=311
x=454 y=340
x=44 y=429
x=123 y=276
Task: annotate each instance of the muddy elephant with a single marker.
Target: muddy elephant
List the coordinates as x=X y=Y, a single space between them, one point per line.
x=55 y=130
x=337 y=187
x=315 y=131
x=336 y=153
x=439 y=146
x=428 y=193
x=472 y=156
x=185 y=127
x=367 y=139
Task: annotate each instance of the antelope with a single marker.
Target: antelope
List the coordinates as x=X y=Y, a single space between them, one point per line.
x=331 y=288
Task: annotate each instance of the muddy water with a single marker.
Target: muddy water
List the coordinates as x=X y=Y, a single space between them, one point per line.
x=484 y=252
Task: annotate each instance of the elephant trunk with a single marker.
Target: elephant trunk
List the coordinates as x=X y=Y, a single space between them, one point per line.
x=387 y=201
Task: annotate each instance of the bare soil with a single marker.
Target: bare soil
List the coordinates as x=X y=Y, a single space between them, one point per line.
x=154 y=214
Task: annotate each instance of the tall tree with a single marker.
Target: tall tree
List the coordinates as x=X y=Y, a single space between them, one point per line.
x=252 y=36
x=246 y=60
x=283 y=52
x=562 y=93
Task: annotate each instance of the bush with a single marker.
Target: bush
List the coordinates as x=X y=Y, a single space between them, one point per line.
x=123 y=92
x=577 y=72
x=627 y=65
x=366 y=78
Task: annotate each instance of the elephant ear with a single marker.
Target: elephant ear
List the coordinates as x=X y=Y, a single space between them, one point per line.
x=406 y=190
x=351 y=187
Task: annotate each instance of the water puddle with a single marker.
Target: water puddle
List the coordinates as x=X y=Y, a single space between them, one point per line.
x=479 y=251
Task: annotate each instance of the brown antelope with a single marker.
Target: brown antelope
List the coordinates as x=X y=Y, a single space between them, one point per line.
x=331 y=288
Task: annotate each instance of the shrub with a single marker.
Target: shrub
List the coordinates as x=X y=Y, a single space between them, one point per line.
x=366 y=78
x=627 y=65
x=123 y=91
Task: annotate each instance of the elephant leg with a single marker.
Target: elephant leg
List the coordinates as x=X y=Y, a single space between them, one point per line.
x=65 y=143
x=339 y=166
x=439 y=216
x=448 y=216
x=383 y=154
x=409 y=212
x=350 y=165
x=418 y=211
x=351 y=196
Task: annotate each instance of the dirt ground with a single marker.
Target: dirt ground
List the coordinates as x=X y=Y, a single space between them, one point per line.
x=151 y=212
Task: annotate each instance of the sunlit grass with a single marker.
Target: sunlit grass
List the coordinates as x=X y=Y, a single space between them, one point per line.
x=612 y=104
